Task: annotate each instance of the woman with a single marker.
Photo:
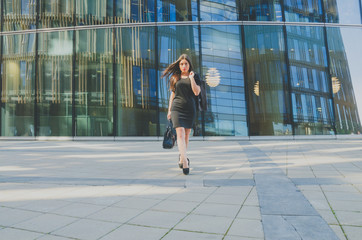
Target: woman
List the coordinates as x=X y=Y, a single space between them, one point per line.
x=182 y=104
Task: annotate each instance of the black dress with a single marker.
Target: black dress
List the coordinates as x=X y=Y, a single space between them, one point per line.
x=183 y=109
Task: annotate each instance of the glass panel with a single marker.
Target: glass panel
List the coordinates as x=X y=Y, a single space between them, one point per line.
x=56 y=13
x=173 y=10
x=261 y=10
x=309 y=77
x=267 y=81
x=303 y=10
x=345 y=68
x=174 y=41
x=94 y=12
x=93 y=83
x=19 y=15
x=129 y=11
x=136 y=81
x=54 y=95
x=222 y=64
x=342 y=11
x=18 y=75
x=218 y=10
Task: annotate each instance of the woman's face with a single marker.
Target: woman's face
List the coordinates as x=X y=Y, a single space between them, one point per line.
x=184 y=66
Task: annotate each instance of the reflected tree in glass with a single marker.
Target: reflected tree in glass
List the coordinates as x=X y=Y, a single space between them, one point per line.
x=222 y=63
x=19 y=15
x=310 y=84
x=303 y=10
x=94 y=83
x=267 y=81
x=174 y=10
x=54 y=81
x=94 y=12
x=261 y=10
x=131 y=11
x=56 y=13
x=342 y=11
x=174 y=41
x=18 y=90
x=344 y=55
x=136 y=82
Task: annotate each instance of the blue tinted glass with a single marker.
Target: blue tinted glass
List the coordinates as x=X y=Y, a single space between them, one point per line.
x=310 y=83
x=261 y=10
x=223 y=71
x=174 y=10
x=131 y=11
x=342 y=11
x=303 y=10
x=218 y=10
x=267 y=78
x=345 y=68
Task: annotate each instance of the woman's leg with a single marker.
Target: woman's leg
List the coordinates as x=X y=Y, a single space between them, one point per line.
x=187 y=135
x=181 y=143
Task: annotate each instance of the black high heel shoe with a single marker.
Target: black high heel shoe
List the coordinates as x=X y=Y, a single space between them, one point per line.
x=186 y=171
x=180 y=164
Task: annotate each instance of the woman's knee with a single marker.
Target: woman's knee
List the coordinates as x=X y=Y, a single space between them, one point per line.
x=180 y=132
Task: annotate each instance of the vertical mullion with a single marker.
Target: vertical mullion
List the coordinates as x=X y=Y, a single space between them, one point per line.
x=1 y=59
x=360 y=8
x=283 y=10
x=289 y=84
x=245 y=71
x=115 y=96
x=246 y=85
x=200 y=62
x=328 y=71
x=73 y=70
x=329 y=80
x=36 y=118
x=156 y=72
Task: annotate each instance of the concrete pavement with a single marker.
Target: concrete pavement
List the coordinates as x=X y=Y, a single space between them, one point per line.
x=134 y=190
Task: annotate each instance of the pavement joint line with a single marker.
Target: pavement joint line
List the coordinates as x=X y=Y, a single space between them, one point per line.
x=275 y=175
x=242 y=205
x=188 y=214
x=127 y=222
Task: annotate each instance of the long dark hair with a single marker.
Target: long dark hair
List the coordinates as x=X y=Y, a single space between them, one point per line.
x=174 y=70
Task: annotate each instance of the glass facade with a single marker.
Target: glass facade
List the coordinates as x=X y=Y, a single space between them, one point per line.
x=92 y=68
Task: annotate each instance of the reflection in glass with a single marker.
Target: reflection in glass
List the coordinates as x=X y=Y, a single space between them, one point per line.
x=136 y=81
x=175 y=10
x=311 y=96
x=19 y=15
x=267 y=81
x=93 y=83
x=345 y=59
x=222 y=63
x=218 y=10
x=261 y=10
x=54 y=94
x=342 y=11
x=131 y=11
x=174 y=41
x=17 y=96
x=56 y=13
x=303 y=10
x=94 y=12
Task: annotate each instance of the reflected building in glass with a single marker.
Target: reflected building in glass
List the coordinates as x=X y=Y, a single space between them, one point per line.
x=80 y=68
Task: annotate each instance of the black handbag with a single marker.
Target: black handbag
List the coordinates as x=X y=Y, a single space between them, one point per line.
x=169 y=138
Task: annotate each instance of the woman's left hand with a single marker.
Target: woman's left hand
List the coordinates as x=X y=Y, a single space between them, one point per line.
x=192 y=74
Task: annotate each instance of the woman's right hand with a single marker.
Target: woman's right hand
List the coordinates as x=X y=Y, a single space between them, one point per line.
x=169 y=115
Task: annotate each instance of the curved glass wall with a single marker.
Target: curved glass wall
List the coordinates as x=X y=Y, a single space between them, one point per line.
x=92 y=68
